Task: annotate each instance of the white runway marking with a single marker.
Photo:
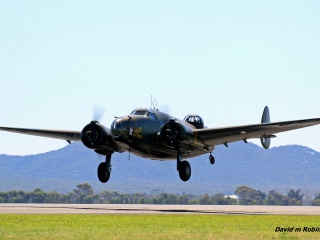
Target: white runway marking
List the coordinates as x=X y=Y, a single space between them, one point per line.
x=155 y=209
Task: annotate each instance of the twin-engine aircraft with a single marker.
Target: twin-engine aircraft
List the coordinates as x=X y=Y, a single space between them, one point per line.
x=152 y=134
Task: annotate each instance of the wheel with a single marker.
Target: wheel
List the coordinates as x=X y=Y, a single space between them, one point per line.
x=103 y=175
x=184 y=171
x=212 y=160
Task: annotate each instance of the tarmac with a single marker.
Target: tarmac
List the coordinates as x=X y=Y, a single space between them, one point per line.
x=155 y=209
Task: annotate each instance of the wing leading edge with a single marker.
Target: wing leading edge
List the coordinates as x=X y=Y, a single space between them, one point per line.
x=217 y=136
x=57 y=134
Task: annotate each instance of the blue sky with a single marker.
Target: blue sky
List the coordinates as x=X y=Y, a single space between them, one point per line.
x=224 y=60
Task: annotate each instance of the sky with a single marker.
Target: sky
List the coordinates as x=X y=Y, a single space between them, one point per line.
x=223 y=60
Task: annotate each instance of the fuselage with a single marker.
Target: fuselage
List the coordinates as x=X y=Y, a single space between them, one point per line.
x=139 y=133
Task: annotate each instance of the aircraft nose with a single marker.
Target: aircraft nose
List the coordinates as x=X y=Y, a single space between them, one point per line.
x=118 y=128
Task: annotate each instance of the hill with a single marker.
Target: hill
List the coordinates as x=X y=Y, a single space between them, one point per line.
x=279 y=168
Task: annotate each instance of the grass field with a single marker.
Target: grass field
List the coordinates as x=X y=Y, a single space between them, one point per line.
x=77 y=226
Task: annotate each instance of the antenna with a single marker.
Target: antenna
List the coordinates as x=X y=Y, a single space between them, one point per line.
x=154 y=103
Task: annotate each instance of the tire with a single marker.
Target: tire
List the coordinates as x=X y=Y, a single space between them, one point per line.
x=103 y=175
x=184 y=171
x=212 y=160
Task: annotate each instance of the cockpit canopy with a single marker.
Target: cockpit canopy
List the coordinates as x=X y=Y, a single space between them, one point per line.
x=194 y=120
x=144 y=112
x=141 y=112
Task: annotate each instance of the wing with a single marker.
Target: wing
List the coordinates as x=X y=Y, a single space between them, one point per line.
x=216 y=136
x=64 y=135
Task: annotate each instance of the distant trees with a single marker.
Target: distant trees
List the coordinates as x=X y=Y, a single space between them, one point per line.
x=275 y=198
x=316 y=201
x=84 y=193
x=250 y=196
x=295 y=198
x=37 y=196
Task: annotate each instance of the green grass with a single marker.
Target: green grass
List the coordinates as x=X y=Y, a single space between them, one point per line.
x=77 y=226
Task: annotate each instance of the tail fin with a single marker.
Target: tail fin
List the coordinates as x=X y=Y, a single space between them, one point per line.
x=265 y=139
x=266 y=115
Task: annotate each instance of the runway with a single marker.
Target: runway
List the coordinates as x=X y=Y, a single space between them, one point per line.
x=155 y=209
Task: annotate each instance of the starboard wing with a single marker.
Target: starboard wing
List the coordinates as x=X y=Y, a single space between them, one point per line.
x=217 y=136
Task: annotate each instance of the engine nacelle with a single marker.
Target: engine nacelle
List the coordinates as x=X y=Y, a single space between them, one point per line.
x=174 y=134
x=194 y=120
x=94 y=135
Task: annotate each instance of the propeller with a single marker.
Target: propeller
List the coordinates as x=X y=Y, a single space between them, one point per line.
x=92 y=134
x=165 y=108
x=98 y=113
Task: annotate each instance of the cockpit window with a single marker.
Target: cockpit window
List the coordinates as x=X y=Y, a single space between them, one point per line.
x=194 y=119
x=140 y=112
x=152 y=116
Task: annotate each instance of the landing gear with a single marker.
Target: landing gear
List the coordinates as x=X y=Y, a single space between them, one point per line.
x=211 y=158
x=185 y=171
x=183 y=168
x=103 y=174
x=104 y=169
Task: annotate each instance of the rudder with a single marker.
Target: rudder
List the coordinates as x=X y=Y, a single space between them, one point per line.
x=265 y=140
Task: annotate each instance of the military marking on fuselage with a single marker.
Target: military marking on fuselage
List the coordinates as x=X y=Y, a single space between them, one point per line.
x=130 y=131
x=136 y=133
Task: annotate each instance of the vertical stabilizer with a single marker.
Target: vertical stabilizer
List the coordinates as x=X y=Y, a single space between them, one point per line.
x=265 y=139
x=266 y=115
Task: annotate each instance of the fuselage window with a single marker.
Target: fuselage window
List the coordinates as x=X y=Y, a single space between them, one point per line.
x=152 y=116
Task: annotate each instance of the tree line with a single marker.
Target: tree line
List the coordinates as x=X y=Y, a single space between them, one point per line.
x=84 y=194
